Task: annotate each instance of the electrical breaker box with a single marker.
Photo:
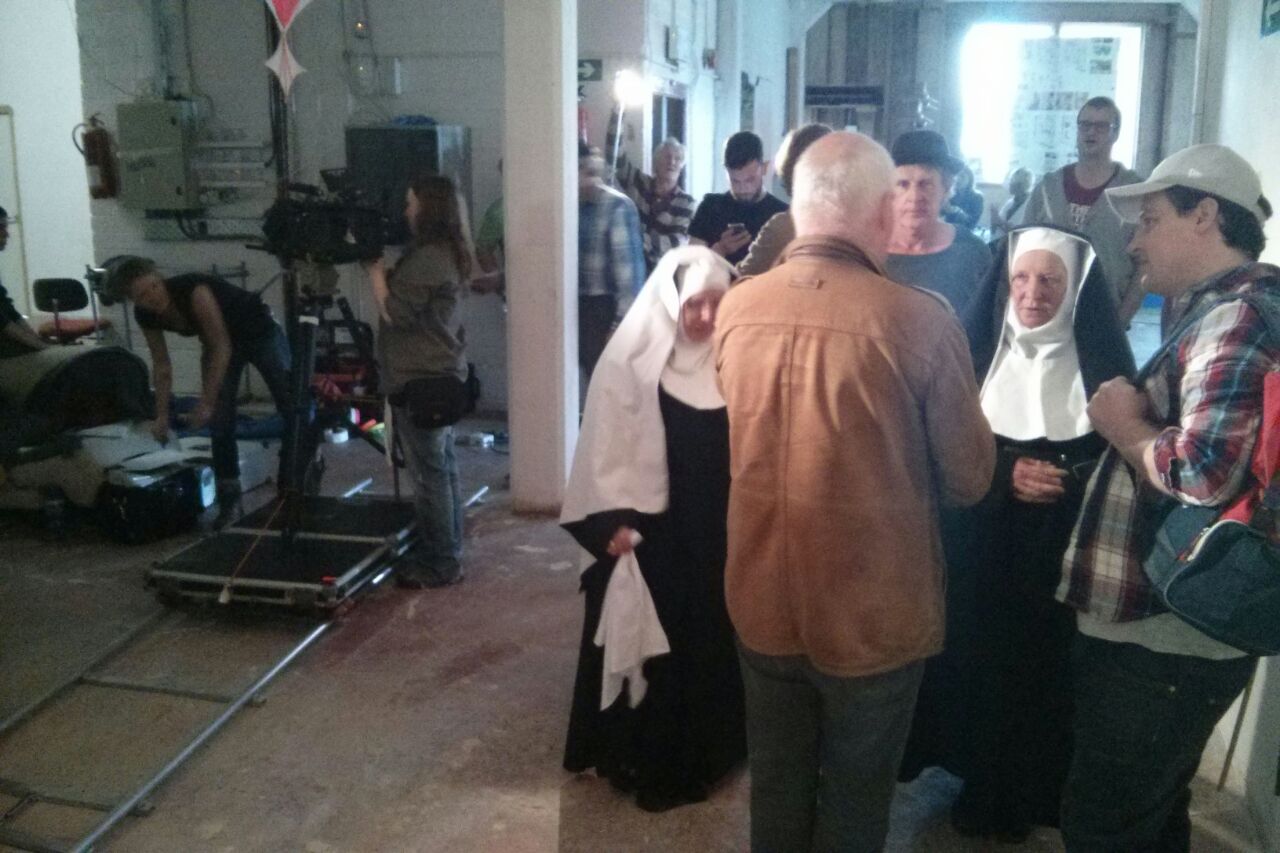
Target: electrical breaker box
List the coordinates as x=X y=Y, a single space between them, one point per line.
x=155 y=141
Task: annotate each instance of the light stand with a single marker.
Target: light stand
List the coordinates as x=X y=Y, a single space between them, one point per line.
x=629 y=90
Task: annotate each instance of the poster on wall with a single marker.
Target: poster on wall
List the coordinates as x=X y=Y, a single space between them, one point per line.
x=1270 y=17
x=1057 y=77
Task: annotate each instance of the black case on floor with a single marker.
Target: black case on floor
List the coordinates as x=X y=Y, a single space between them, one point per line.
x=136 y=514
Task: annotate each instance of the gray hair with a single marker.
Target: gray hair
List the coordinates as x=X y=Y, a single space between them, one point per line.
x=672 y=144
x=840 y=183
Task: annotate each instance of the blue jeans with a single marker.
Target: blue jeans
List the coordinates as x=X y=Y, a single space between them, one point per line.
x=1142 y=721
x=436 y=496
x=824 y=753
x=270 y=356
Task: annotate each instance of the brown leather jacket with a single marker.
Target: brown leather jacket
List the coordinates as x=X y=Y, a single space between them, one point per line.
x=853 y=412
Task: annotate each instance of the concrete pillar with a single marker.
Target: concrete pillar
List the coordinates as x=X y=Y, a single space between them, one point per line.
x=540 y=177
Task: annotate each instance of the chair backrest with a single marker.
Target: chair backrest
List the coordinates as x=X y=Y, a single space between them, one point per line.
x=59 y=294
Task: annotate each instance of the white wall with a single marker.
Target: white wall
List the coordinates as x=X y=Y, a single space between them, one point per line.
x=766 y=35
x=1239 y=119
x=749 y=36
x=451 y=62
x=615 y=32
x=40 y=80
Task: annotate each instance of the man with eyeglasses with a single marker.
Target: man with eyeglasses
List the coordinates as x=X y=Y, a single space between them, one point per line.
x=1071 y=197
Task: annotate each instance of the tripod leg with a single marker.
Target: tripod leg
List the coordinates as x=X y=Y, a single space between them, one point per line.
x=360 y=335
x=299 y=429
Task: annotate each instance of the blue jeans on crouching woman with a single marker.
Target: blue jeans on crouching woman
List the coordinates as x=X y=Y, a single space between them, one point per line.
x=433 y=467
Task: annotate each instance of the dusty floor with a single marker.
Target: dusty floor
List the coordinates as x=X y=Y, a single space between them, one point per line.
x=423 y=721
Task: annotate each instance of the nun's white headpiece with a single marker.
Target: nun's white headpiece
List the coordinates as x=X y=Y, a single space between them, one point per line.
x=1034 y=388
x=621 y=458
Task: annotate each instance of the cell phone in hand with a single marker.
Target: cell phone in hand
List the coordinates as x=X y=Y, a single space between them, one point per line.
x=737 y=226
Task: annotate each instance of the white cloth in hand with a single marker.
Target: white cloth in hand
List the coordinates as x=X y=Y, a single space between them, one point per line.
x=629 y=632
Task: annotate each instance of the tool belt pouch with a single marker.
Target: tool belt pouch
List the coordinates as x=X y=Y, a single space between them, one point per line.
x=433 y=401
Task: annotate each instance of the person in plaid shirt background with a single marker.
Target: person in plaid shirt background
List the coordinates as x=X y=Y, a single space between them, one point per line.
x=1149 y=688
x=665 y=208
x=610 y=257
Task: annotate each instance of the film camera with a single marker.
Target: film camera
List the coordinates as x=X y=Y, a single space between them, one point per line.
x=335 y=225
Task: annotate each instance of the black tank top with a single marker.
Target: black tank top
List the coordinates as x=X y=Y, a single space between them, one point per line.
x=245 y=315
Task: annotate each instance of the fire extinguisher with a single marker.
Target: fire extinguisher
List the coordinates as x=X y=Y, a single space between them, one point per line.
x=583 y=119
x=100 y=164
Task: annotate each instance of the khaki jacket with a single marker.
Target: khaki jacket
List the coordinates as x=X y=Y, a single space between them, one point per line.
x=853 y=413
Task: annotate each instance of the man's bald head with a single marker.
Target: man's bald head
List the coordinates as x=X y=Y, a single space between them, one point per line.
x=844 y=189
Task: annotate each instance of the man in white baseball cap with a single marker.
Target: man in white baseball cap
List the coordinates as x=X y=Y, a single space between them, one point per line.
x=1149 y=687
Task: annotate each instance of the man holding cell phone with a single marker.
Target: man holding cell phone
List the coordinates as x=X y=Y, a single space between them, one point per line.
x=728 y=222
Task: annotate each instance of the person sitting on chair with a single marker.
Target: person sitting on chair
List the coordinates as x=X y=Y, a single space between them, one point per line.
x=235 y=328
x=16 y=336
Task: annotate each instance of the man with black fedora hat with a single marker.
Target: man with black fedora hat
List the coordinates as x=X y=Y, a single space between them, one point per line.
x=924 y=250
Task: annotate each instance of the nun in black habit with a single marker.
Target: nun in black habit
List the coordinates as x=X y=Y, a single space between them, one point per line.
x=659 y=708
x=1044 y=335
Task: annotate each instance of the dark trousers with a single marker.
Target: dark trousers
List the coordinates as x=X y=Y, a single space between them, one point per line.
x=595 y=319
x=270 y=356
x=1142 y=721
x=824 y=753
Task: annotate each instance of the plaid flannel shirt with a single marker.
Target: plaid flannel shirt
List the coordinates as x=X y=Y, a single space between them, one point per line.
x=664 y=220
x=610 y=257
x=1208 y=389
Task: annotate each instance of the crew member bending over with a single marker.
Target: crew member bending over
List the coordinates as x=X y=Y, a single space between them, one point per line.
x=235 y=328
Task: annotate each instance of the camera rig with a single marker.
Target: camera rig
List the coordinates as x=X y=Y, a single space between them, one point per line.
x=332 y=226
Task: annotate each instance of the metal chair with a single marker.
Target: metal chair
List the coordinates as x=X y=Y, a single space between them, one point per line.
x=56 y=295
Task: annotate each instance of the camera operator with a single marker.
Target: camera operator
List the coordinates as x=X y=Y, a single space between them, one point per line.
x=421 y=351
x=235 y=328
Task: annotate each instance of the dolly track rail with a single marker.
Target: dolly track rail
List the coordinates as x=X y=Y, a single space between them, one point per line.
x=85 y=844
x=116 y=812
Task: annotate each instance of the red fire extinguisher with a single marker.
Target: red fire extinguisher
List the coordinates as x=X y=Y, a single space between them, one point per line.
x=100 y=164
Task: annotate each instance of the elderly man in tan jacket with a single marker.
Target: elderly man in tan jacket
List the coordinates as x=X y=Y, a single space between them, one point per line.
x=853 y=413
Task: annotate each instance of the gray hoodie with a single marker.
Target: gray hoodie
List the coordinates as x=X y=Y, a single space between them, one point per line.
x=1109 y=234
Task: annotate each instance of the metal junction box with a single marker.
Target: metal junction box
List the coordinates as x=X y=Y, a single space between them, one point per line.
x=155 y=140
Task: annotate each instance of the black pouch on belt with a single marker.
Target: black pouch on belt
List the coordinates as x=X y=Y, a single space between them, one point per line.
x=433 y=401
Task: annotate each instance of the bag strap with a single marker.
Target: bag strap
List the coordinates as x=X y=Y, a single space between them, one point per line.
x=1270 y=314
x=1267 y=510
x=1265 y=513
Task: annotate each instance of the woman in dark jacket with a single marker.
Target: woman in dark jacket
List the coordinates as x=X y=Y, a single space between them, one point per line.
x=424 y=368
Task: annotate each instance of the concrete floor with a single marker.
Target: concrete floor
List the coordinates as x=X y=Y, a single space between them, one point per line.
x=424 y=721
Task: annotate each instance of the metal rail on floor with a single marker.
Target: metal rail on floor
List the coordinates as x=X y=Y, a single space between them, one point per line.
x=135 y=803
x=138 y=796
x=27 y=797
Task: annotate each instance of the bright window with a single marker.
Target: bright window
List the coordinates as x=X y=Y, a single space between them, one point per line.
x=1022 y=84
